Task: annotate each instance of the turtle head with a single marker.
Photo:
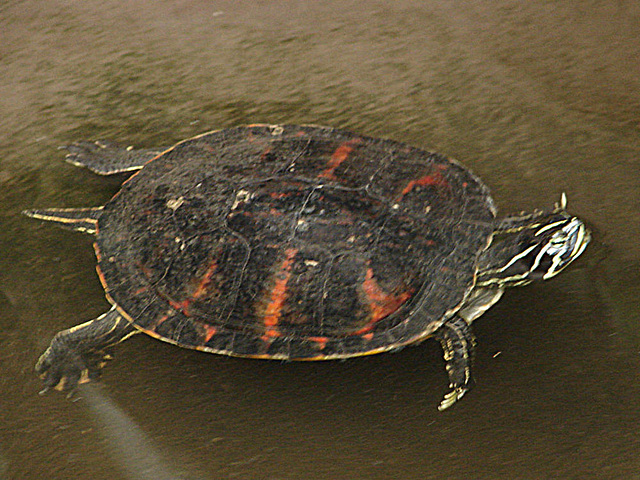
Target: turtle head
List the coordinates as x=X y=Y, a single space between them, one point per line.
x=532 y=247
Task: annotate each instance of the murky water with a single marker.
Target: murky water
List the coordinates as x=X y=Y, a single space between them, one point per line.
x=536 y=97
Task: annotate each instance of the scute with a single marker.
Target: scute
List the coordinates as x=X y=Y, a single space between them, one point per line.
x=293 y=242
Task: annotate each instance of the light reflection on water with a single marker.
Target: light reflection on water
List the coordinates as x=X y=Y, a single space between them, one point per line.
x=128 y=445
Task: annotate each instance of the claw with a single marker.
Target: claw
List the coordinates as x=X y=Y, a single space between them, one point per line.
x=452 y=397
x=60 y=386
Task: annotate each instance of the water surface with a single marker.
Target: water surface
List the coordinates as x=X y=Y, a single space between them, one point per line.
x=537 y=98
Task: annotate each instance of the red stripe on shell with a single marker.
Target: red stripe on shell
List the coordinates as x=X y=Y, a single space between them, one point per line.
x=158 y=322
x=278 y=296
x=320 y=342
x=201 y=289
x=339 y=155
x=181 y=306
x=435 y=179
x=141 y=290
x=381 y=303
x=205 y=281
x=209 y=332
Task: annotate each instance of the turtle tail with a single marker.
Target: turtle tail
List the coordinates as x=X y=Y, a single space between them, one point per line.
x=79 y=219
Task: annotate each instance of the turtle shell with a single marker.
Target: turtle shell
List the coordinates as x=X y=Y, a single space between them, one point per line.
x=293 y=242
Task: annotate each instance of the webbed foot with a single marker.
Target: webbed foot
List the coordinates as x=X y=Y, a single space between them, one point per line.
x=78 y=354
x=63 y=367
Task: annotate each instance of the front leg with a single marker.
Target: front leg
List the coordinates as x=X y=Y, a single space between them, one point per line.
x=458 y=344
x=77 y=354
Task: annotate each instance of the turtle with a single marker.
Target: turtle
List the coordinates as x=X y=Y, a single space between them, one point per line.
x=298 y=242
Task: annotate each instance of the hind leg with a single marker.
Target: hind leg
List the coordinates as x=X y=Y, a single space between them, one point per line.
x=107 y=158
x=76 y=355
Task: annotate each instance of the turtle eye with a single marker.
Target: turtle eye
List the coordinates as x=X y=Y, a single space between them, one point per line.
x=558 y=242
